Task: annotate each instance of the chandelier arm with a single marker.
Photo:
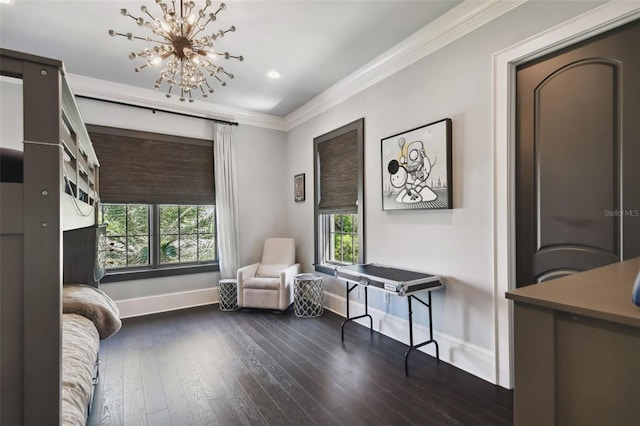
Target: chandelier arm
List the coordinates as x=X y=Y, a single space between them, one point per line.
x=131 y=16
x=219 y=79
x=231 y=76
x=201 y=13
x=204 y=53
x=230 y=30
x=164 y=56
x=131 y=37
x=150 y=16
x=149 y=25
x=167 y=37
x=187 y=29
x=181 y=18
x=200 y=29
x=188 y=8
x=221 y=7
x=150 y=39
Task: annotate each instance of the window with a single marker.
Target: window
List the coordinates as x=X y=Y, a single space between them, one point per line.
x=341 y=231
x=157 y=193
x=339 y=177
x=127 y=234
x=185 y=235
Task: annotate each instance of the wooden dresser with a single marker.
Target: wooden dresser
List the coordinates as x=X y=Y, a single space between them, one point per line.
x=577 y=349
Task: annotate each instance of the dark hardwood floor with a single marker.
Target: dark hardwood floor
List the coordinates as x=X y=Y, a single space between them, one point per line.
x=202 y=366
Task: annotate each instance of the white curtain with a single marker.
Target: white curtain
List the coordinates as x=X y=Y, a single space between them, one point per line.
x=224 y=163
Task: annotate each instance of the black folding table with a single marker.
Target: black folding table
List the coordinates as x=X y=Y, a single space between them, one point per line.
x=395 y=281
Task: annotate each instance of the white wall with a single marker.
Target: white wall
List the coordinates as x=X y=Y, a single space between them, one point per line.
x=454 y=82
x=11 y=129
x=261 y=182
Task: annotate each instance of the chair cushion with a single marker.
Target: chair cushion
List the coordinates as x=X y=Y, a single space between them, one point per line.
x=264 y=299
x=271 y=271
x=263 y=283
x=278 y=251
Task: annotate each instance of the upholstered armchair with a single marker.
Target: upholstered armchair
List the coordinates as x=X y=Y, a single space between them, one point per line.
x=269 y=283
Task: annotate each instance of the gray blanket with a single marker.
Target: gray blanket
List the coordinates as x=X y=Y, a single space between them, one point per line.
x=93 y=304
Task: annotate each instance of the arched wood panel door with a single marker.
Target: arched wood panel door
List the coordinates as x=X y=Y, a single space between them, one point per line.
x=578 y=157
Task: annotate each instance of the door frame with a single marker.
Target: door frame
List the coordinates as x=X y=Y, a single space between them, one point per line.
x=603 y=18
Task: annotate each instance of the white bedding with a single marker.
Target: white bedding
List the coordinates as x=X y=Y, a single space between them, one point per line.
x=80 y=344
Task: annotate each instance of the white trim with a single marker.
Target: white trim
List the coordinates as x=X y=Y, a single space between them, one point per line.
x=109 y=90
x=464 y=355
x=10 y=80
x=596 y=21
x=456 y=23
x=140 y=306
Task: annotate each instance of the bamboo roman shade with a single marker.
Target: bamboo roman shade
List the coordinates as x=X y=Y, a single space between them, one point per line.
x=338 y=167
x=149 y=168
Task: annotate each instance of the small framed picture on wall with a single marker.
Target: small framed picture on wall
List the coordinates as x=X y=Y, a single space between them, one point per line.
x=298 y=187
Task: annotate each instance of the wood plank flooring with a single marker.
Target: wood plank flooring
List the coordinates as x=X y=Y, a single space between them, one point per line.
x=202 y=366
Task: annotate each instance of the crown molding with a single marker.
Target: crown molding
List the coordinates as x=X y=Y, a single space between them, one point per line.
x=459 y=21
x=108 y=90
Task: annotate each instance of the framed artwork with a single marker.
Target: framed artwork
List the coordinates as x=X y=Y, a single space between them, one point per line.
x=416 y=168
x=298 y=187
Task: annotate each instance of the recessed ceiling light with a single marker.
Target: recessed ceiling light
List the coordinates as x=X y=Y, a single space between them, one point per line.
x=274 y=74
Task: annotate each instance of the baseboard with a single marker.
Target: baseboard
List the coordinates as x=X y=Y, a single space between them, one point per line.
x=166 y=302
x=469 y=357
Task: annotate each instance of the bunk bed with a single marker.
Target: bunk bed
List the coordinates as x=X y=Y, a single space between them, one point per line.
x=52 y=313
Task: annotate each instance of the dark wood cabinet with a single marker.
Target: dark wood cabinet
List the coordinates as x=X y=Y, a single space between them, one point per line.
x=577 y=349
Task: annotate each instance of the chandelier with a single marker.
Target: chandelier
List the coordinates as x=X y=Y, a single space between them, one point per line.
x=181 y=47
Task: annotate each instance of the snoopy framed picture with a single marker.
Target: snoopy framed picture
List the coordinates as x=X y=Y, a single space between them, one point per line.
x=416 y=168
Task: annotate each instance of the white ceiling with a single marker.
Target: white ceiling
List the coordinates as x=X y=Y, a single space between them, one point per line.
x=313 y=44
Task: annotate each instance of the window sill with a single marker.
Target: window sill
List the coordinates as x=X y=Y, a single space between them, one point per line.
x=142 y=274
